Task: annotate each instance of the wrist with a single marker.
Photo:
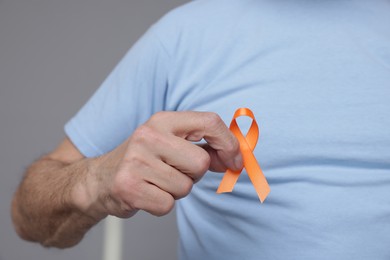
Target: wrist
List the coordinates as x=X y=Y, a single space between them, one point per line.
x=86 y=192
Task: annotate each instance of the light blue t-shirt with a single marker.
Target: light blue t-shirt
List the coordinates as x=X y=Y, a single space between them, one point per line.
x=316 y=74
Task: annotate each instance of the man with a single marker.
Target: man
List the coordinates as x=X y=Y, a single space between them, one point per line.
x=317 y=76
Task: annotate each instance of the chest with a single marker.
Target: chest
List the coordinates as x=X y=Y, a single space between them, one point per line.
x=312 y=99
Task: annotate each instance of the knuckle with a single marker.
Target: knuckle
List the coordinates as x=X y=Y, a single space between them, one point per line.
x=185 y=189
x=165 y=207
x=143 y=134
x=135 y=161
x=202 y=162
x=213 y=120
x=160 y=116
x=232 y=147
x=147 y=136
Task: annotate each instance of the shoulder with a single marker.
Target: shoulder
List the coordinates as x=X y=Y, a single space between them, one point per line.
x=202 y=18
x=198 y=12
x=204 y=12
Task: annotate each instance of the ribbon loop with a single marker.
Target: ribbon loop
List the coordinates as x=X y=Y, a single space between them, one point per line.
x=247 y=145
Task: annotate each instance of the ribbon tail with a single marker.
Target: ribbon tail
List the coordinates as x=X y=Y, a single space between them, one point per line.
x=257 y=177
x=228 y=181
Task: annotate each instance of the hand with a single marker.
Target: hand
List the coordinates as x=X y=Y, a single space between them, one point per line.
x=158 y=164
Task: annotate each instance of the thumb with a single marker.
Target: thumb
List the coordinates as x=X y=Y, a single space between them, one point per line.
x=217 y=164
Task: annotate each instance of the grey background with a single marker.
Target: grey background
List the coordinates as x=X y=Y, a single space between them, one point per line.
x=53 y=55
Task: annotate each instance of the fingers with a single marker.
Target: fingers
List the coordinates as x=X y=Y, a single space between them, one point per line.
x=216 y=163
x=169 y=180
x=133 y=194
x=223 y=142
x=159 y=163
x=184 y=156
x=154 y=200
x=194 y=126
x=148 y=144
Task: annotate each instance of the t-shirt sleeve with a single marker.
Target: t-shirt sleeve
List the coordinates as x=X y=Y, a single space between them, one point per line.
x=133 y=91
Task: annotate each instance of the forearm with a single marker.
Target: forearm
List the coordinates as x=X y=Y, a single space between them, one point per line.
x=53 y=205
x=63 y=195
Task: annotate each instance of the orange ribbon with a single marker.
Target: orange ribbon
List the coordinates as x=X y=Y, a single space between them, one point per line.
x=247 y=145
